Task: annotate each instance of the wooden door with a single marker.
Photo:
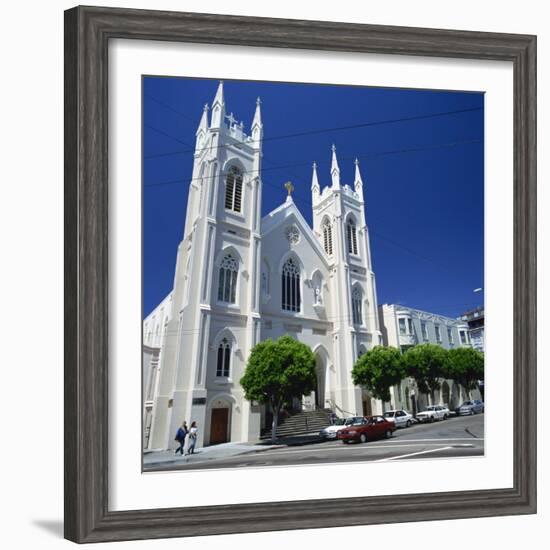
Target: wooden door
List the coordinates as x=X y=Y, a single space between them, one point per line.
x=219 y=426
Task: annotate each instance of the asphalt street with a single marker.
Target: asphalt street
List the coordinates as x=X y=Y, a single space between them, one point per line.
x=454 y=437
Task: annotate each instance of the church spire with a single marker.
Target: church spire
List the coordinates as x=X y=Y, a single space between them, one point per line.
x=335 y=170
x=358 y=181
x=315 y=188
x=257 y=114
x=203 y=124
x=218 y=107
x=257 y=126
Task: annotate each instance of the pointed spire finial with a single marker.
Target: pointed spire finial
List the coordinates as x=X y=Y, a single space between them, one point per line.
x=315 y=188
x=335 y=169
x=257 y=120
x=358 y=180
x=203 y=124
x=218 y=107
x=218 y=98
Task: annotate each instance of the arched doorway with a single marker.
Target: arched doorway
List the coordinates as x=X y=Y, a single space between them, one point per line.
x=320 y=389
x=455 y=396
x=445 y=393
x=367 y=403
x=220 y=421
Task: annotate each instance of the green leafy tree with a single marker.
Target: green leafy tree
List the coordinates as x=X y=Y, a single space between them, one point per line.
x=378 y=370
x=427 y=364
x=466 y=367
x=278 y=371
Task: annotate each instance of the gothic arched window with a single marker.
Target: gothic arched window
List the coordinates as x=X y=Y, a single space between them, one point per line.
x=224 y=358
x=357 y=306
x=327 y=237
x=227 y=284
x=233 y=189
x=351 y=233
x=290 y=280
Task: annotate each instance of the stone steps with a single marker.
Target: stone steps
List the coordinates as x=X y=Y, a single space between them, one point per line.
x=301 y=423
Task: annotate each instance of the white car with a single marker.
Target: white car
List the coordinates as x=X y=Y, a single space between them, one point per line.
x=432 y=413
x=330 y=431
x=400 y=417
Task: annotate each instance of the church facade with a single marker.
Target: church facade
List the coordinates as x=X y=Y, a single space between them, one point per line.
x=241 y=278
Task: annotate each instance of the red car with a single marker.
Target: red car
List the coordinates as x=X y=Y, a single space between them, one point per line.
x=367 y=428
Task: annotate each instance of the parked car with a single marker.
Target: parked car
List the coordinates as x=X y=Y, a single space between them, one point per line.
x=330 y=431
x=400 y=417
x=365 y=429
x=433 y=413
x=473 y=406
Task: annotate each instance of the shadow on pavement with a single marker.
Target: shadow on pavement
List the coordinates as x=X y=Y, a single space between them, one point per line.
x=294 y=440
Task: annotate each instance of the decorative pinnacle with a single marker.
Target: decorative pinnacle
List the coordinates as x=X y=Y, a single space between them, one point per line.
x=356 y=161
x=258 y=101
x=289 y=187
x=333 y=148
x=206 y=107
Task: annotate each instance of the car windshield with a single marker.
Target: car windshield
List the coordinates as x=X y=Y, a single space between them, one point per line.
x=339 y=422
x=431 y=408
x=389 y=414
x=350 y=421
x=466 y=403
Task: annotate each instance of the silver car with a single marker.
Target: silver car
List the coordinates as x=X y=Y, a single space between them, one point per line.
x=470 y=407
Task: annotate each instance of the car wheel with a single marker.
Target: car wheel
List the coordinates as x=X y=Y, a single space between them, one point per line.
x=408 y=423
x=472 y=412
x=445 y=416
x=432 y=419
x=388 y=434
x=363 y=438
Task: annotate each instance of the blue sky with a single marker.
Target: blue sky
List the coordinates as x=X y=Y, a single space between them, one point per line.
x=423 y=177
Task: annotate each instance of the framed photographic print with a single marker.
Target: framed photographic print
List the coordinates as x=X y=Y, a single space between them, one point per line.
x=300 y=274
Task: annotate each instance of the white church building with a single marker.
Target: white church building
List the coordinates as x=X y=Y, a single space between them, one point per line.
x=241 y=278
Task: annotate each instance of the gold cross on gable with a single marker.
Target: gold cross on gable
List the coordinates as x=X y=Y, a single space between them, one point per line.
x=289 y=187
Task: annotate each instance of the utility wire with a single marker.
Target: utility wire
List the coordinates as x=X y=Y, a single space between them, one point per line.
x=326 y=130
x=428 y=147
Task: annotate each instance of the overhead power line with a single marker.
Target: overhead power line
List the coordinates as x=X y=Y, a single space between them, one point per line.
x=429 y=147
x=326 y=130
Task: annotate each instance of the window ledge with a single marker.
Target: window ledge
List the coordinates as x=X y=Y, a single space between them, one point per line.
x=222 y=381
x=228 y=305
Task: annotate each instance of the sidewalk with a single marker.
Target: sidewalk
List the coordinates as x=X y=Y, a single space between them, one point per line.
x=154 y=459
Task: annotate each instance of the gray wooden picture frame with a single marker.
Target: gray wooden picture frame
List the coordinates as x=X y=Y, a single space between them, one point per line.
x=87 y=34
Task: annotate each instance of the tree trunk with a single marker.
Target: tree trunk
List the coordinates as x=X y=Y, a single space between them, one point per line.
x=275 y=422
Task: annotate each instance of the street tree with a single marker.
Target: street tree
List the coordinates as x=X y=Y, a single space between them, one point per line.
x=427 y=364
x=466 y=367
x=378 y=370
x=278 y=371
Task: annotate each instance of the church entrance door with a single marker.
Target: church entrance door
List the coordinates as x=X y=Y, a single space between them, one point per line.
x=219 y=426
x=320 y=387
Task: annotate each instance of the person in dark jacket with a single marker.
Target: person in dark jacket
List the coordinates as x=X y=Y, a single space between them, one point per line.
x=180 y=437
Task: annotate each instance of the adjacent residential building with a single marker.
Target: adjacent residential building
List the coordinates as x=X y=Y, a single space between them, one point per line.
x=403 y=327
x=476 y=327
x=240 y=278
x=154 y=333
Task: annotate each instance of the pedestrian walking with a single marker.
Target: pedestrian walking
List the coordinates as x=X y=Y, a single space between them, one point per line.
x=180 y=437
x=333 y=418
x=193 y=432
